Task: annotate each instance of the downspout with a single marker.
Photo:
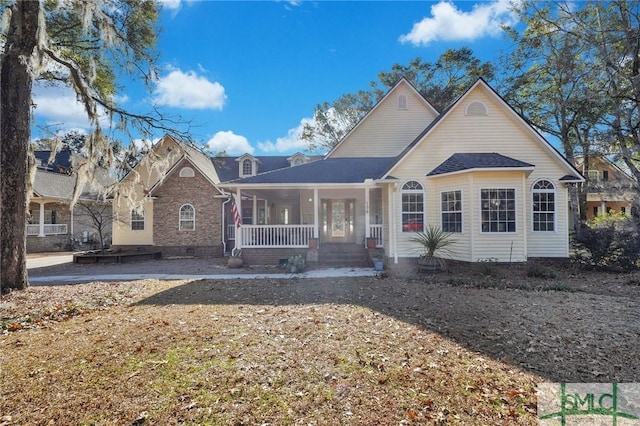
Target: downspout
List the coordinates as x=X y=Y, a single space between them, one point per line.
x=224 y=240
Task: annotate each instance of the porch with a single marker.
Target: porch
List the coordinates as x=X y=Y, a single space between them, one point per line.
x=291 y=218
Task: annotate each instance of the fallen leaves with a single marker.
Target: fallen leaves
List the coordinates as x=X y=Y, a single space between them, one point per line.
x=348 y=351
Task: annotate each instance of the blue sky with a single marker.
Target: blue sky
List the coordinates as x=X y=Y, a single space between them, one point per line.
x=247 y=75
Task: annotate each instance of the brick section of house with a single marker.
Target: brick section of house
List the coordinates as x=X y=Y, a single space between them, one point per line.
x=257 y=256
x=173 y=193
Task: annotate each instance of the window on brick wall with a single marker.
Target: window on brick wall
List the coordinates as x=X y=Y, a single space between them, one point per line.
x=187 y=218
x=137 y=220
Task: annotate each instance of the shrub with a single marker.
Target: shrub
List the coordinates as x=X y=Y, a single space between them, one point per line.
x=609 y=244
x=296 y=263
x=487 y=266
x=536 y=270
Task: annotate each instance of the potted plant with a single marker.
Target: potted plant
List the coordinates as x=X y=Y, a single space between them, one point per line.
x=434 y=243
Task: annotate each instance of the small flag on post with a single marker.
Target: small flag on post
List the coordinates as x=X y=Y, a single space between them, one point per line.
x=236 y=213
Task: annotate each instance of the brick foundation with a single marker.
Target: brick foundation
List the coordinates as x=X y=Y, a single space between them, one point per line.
x=269 y=257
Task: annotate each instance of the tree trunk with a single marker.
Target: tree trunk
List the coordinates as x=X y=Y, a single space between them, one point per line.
x=15 y=133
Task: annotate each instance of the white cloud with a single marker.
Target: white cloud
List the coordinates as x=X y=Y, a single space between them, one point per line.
x=230 y=143
x=291 y=142
x=448 y=23
x=189 y=90
x=170 y=4
x=58 y=106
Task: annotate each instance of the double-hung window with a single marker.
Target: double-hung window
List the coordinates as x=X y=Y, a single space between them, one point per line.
x=412 y=207
x=187 y=218
x=452 y=211
x=137 y=220
x=544 y=206
x=498 y=210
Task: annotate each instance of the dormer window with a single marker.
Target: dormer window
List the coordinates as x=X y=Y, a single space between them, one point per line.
x=298 y=159
x=247 y=165
x=402 y=102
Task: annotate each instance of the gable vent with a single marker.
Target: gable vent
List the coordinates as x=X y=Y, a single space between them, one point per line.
x=476 y=108
x=187 y=172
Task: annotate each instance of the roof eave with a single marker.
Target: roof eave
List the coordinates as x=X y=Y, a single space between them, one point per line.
x=483 y=169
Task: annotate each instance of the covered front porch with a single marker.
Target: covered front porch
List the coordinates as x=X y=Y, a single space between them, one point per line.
x=293 y=217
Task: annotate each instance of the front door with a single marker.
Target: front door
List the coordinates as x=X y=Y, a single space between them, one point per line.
x=338 y=221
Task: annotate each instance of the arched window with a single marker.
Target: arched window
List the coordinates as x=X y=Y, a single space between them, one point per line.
x=402 y=102
x=476 y=108
x=544 y=205
x=137 y=220
x=247 y=167
x=187 y=218
x=412 y=207
x=187 y=172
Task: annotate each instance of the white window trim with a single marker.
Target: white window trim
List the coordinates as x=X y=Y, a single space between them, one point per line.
x=423 y=191
x=594 y=176
x=144 y=220
x=461 y=211
x=187 y=172
x=404 y=105
x=555 y=205
x=253 y=168
x=515 y=200
x=180 y=220
x=485 y=113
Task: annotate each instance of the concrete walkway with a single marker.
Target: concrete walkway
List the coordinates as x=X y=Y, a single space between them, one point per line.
x=60 y=269
x=316 y=273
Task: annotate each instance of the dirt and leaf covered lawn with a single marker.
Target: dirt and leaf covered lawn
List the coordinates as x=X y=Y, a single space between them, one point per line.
x=464 y=347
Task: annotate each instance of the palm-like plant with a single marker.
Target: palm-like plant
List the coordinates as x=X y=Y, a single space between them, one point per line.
x=434 y=241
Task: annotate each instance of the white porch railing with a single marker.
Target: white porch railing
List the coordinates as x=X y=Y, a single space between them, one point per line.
x=49 y=229
x=376 y=232
x=276 y=236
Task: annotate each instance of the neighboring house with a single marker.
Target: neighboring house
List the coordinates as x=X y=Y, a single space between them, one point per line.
x=608 y=188
x=477 y=169
x=53 y=224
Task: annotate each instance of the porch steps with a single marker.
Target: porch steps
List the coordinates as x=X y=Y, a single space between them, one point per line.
x=331 y=254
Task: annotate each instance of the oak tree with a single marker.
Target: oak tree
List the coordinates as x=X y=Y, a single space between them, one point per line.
x=83 y=45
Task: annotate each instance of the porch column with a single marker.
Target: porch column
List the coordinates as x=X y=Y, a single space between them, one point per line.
x=603 y=208
x=254 y=218
x=238 y=200
x=367 y=214
x=41 y=222
x=316 y=218
x=71 y=224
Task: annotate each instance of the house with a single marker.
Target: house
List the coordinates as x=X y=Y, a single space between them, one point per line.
x=477 y=169
x=53 y=225
x=171 y=201
x=607 y=188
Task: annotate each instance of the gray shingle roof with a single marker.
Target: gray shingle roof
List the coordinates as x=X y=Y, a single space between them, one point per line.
x=481 y=160
x=60 y=186
x=228 y=168
x=330 y=170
